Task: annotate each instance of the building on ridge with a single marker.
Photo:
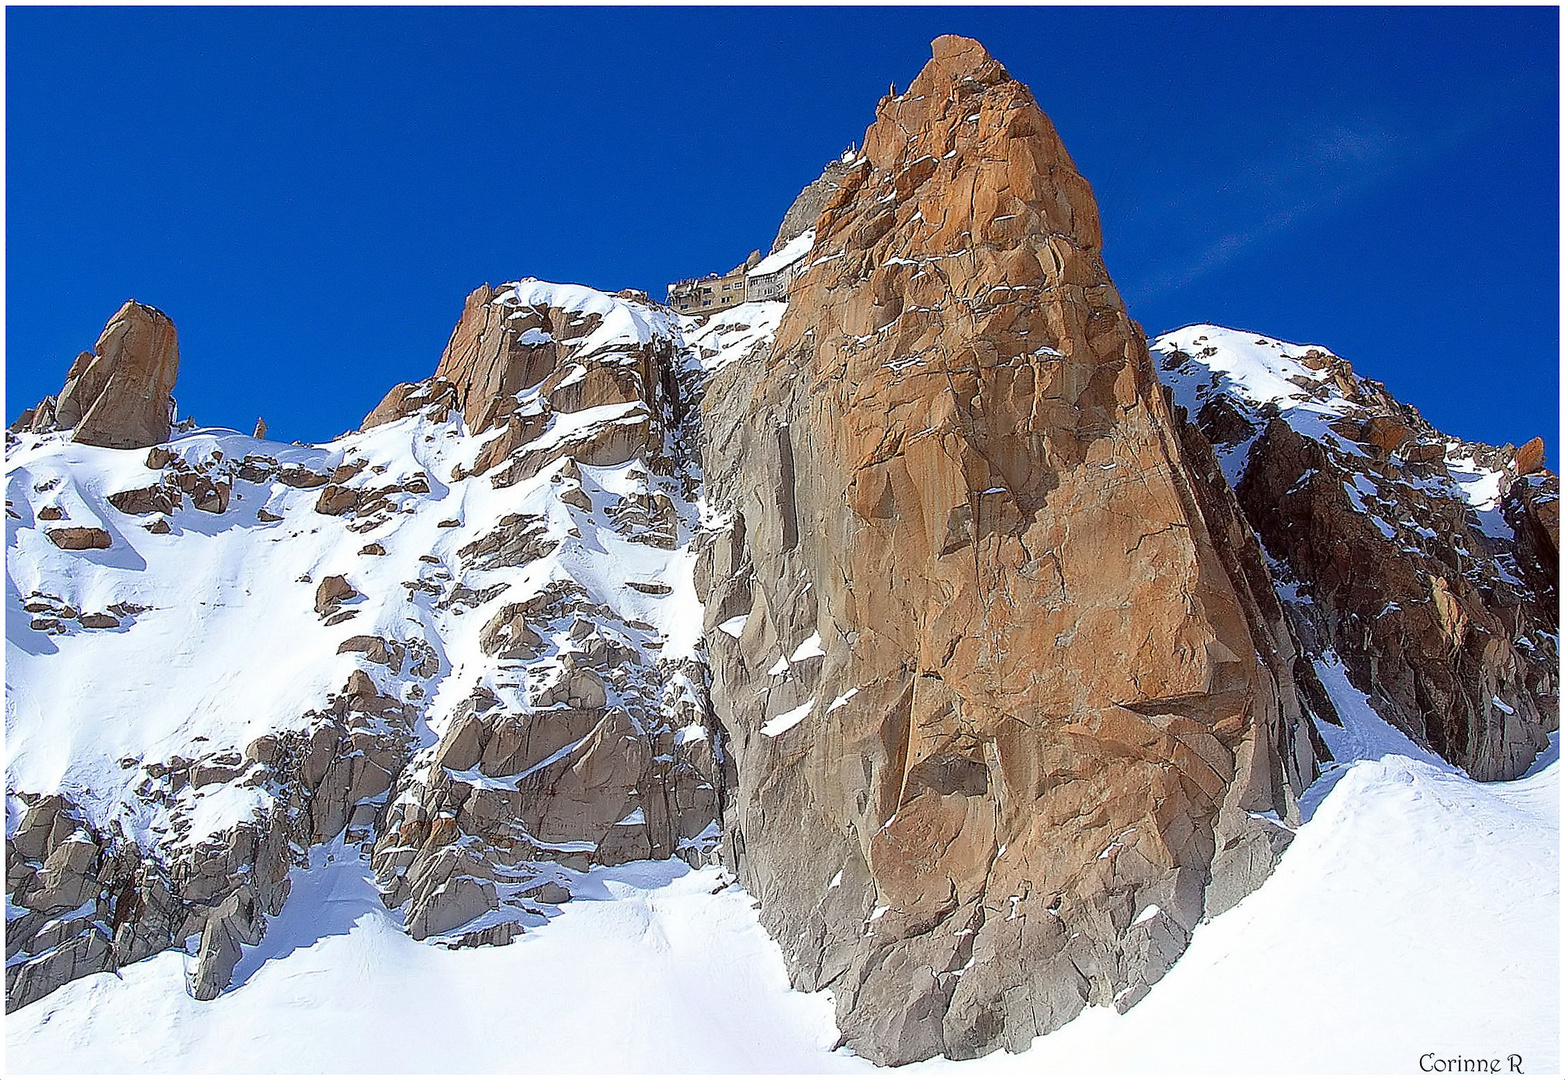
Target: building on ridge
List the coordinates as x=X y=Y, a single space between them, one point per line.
x=754 y=279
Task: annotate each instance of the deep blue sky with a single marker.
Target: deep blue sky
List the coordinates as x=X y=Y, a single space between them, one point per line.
x=310 y=193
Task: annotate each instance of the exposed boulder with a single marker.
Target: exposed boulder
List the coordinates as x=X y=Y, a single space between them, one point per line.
x=156 y=499
x=1529 y=458
x=79 y=538
x=331 y=592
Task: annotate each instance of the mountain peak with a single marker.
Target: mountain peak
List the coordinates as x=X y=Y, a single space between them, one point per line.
x=957 y=56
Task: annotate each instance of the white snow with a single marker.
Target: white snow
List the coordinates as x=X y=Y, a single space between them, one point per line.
x=690 y=733
x=841 y=699
x=779 y=724
x=718 y=340
x=220 y=805
x=787 y=255
x=1479 y=485
x=811 y=646
x=1260 y=369
x=644 y=970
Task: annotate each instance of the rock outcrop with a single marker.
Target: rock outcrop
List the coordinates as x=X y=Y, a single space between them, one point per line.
x=1009 y=703
x=1426 y=564
x=87 y=897
x=120 y=394
x=808 y=204
x=583 y=737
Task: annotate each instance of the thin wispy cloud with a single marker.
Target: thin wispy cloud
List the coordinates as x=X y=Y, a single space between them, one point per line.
x=1315 y=172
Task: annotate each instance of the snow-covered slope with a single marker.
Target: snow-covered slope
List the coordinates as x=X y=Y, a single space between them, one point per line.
x=276 y=638
x=1416 y=912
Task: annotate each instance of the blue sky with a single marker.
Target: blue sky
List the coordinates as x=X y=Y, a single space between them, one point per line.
x=310 y=193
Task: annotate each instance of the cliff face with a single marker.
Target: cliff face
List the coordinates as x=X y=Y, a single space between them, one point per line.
x=1010 y=695
x=119 y=394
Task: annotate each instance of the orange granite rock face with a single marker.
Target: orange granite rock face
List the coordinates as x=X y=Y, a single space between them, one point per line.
x=1012 y=703
x=120 y=394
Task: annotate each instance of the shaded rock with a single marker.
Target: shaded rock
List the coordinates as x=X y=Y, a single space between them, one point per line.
x=1432 y=645
x=1439 y=612
x=550 y=892
x=336 y=500
x=156 y=499
x=1385 y=433
x=298 y=477
x=212 y=498
x=499 y=934
x=331 y=592
x=507 y=636
x=405 y=399
x=237 y=921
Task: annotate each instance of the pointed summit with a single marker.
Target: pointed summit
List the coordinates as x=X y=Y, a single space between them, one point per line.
x=959 y=56
x=120 y=394
x=961 y=502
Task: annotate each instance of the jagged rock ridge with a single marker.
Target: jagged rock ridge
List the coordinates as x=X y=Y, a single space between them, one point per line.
x=493 y=675
x=1426 y=564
